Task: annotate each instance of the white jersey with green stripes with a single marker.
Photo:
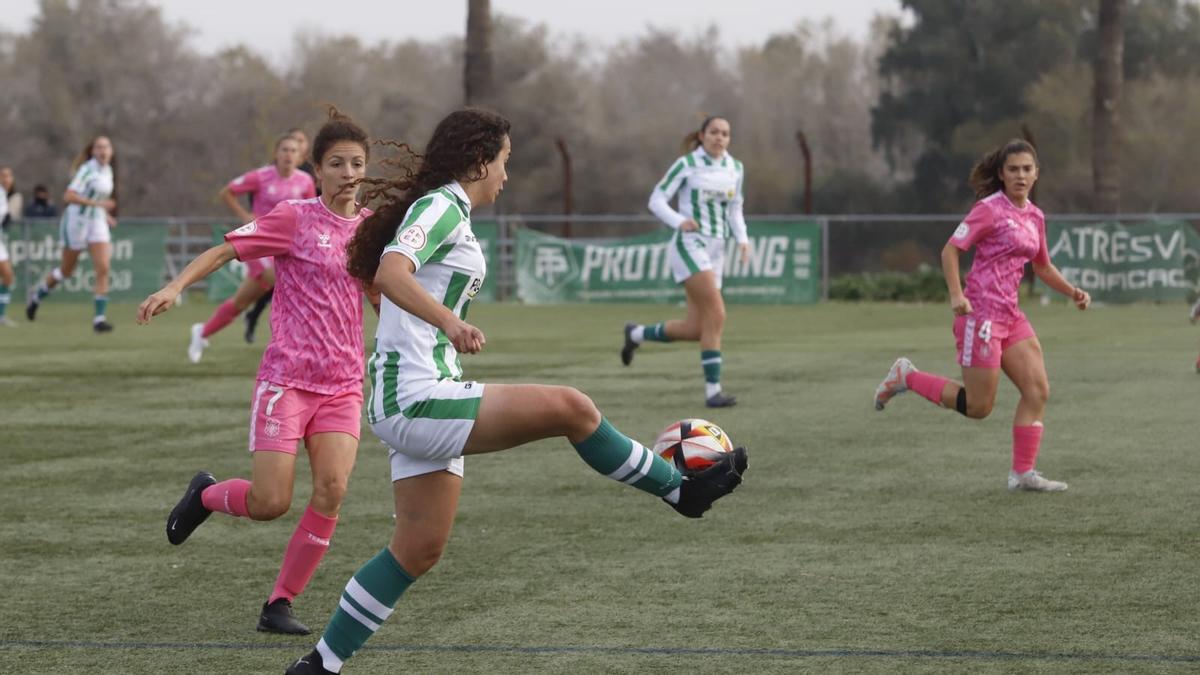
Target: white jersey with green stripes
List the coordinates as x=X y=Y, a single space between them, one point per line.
x=412 y=356
x=710 y=193
x=93 y=182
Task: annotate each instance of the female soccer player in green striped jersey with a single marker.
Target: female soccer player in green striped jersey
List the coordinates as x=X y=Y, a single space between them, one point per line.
x=419 y=251
x=709 y=183
x=91 y=203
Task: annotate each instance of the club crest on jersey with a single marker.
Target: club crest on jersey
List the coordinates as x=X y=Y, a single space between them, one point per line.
x=413 y=237
x=323 y=240
x=962 y=231
x=246 y=229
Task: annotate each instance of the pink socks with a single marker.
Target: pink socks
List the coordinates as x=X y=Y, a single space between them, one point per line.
x=927 y=384
x=304 y=553
x=306 y=548
x=228 y=496
x=223 y=316
x=1026 y=442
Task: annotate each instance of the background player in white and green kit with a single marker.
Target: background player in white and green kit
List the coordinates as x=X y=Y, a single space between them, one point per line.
x=85 y=224
x=419 y=251
x=708 y=181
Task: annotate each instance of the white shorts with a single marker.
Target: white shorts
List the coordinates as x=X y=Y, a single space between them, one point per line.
x=429 y=434
x=3 y=249
x=79 y=231
x=691 y=253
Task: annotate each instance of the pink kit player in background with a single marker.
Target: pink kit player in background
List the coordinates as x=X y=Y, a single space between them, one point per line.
x=310 y=380
x=991 y=332
x=267 y=186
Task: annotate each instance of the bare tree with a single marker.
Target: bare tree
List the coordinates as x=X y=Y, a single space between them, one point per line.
x=1106 y=96
x=477 y=68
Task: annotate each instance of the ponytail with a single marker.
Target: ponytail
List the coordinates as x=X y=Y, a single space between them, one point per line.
x=985 y=175
x=692 y=140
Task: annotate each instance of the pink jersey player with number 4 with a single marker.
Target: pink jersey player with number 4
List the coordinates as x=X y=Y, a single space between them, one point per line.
x=991 y=332
x=311 y=377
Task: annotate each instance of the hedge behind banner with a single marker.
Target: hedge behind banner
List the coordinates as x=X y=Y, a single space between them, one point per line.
x=784 y=267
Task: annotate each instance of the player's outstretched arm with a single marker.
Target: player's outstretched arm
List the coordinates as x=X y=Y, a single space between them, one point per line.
x=1050 y=276
x=205 y=264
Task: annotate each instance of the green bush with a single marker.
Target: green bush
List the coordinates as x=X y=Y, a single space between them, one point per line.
x=925 y=285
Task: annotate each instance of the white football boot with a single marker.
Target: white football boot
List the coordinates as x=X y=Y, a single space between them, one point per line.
x=894 y=383
x=197 y=344
x=1033 y=481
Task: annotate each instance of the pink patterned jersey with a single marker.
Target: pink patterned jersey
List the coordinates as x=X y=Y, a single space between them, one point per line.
x=316 y=318
x=269 y=188
x=1005 y=238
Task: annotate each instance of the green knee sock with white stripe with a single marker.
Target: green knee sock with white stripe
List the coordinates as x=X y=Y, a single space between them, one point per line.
x=100 y=304
x=5 y=298
x=710 y=359
x=617 y=456
x=653 y=333
x=366 y=603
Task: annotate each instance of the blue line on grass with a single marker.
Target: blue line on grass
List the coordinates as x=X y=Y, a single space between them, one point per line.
x=652 y=651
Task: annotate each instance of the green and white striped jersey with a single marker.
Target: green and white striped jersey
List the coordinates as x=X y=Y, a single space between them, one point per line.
x=91 y=181
x=710 y=193
x=411 y=356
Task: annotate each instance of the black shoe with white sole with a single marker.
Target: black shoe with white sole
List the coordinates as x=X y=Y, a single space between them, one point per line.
x=699 y=490
x=189 y=512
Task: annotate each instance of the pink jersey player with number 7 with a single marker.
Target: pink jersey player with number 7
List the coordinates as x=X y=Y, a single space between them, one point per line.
x=311 y=377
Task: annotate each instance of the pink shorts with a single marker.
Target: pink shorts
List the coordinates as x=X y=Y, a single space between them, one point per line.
x=981 y=342
x=257 y=267
x=281 y=416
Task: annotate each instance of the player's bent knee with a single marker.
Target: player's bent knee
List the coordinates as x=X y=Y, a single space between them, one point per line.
x=978 y=411
x=328 y=494
x=269 y=508
x=418 y=557
x=579 y=412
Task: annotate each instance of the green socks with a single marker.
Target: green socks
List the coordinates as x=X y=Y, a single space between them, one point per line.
x=615 y=455
x=366 y=603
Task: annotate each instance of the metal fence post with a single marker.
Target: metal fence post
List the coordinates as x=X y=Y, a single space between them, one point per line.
x=824 y=259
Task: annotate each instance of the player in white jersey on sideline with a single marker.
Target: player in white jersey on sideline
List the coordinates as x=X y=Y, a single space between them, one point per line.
x=419 y=251
x=91 y=205
x=709 y=183
x=7 y=278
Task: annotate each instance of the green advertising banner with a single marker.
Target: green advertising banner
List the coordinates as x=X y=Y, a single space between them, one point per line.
x=224 y=282
x=1125 y=263
x=783 y=267
x=487 y=234
x=139 y=249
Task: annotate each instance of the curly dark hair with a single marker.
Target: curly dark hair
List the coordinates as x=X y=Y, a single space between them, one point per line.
x=985 y=175
x=463 y=143
x=336 y=129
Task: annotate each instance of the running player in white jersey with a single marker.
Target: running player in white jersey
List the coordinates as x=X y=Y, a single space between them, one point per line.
x=267 y=186
x=420 y=252
x=91 y=200
x=310 y=380
x=7 y=278
x=709 y=183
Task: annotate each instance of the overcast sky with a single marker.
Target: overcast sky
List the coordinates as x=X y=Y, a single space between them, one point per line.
x=268 y=25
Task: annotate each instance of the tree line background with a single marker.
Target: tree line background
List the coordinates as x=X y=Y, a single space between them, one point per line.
x=894 y=121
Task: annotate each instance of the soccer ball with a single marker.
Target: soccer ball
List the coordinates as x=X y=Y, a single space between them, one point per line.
x=692 y=445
